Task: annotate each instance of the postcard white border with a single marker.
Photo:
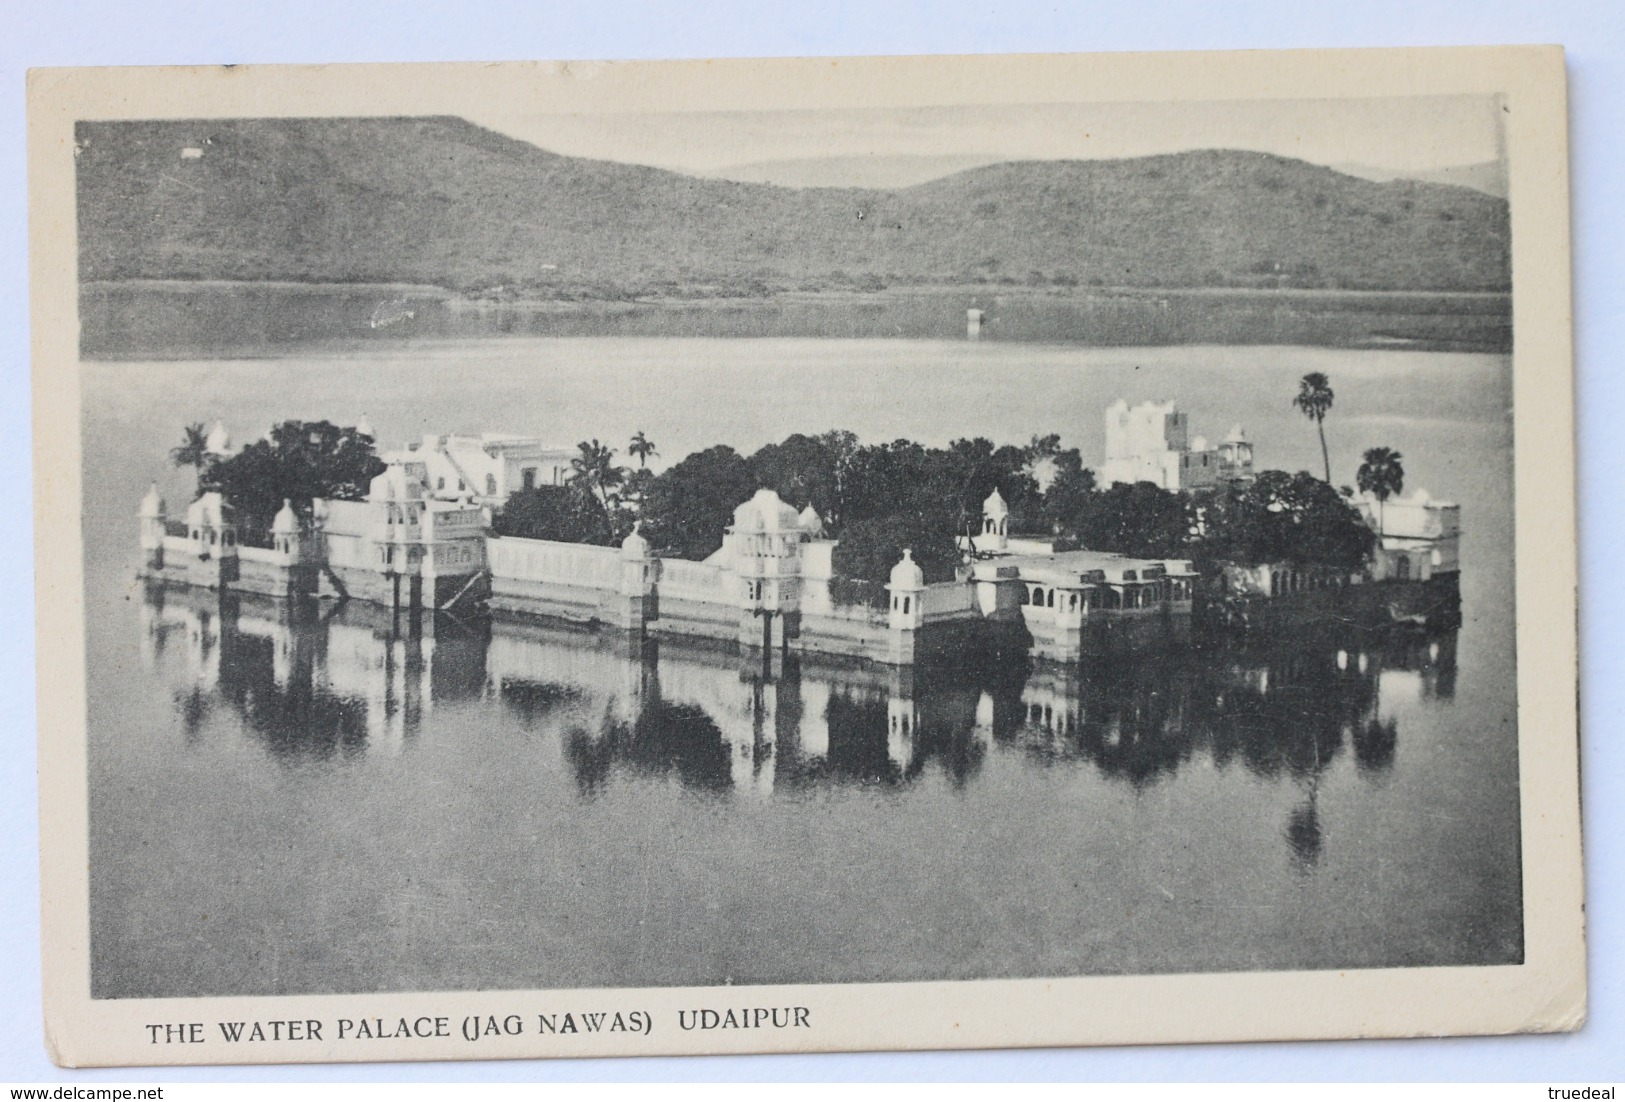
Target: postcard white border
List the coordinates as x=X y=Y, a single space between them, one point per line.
x=1547 y=992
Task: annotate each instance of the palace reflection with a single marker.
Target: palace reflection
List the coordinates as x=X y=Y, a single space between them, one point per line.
x=313 y=683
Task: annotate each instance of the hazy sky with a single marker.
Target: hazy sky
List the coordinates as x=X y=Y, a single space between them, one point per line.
x=1407 y=134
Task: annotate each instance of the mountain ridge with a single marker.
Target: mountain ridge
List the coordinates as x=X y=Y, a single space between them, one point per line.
x=439 y=200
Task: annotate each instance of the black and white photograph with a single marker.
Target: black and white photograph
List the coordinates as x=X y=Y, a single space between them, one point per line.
x=718 y=552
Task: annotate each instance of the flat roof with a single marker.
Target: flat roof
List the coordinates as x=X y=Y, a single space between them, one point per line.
x=1075 y=563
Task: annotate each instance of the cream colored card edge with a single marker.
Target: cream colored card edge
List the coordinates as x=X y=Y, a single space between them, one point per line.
x=1545 y=993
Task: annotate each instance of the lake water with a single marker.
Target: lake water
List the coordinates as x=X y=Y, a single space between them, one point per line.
x=285 y=804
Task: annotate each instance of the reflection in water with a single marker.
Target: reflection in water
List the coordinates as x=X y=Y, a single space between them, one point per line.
x=314 y=682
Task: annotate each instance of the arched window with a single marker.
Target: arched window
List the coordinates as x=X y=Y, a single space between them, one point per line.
x=490 y=485
x=1051 y=602
x=905 y=606
x=1073 y=604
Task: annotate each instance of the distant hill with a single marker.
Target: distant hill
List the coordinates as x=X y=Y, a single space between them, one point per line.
x=877 y=171
x=1488 y=177
x=442 y=201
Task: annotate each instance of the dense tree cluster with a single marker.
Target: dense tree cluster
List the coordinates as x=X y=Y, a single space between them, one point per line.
x=876 y=499
x=1285 y=518
x=561 y=513
x=298 y=462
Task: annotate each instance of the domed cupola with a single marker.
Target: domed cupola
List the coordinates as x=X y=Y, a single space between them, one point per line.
x=811 y=522
x=153 y=504
x=907 y=575
x=995 y=522
x=635 y=546
x=766 y=512
x=287 y=521
x=218 y=442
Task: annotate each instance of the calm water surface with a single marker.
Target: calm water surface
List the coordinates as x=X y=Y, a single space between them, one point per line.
x=331 y=800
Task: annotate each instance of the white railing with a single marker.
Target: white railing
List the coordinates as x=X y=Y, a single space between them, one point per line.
x=577 y=564
x=697 y=581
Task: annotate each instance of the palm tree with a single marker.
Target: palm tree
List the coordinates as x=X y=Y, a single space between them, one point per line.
x=193 y=451
x=1381 y=476
x=1315 y=399
x=594 y=471
x=642 y=447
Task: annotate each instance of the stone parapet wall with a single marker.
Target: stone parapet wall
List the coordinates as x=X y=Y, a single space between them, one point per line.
x=270 y=573
x=696 y=619
x=560 y=599
x=698 y=582
x=573 y=564
x=850 y=636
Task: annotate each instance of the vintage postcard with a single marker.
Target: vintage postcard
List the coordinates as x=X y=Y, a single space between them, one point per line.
x=605 y=559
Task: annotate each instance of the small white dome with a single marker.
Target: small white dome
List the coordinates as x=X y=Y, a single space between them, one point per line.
x=907 y=573
x=766 y=512
x=153 y=504
x=1199 y=444
x=398 y=481
x=811 y=522
x=218 y=441
x=209 y=510
x=1238 y=435
x=364 y=427
x=287 y=521
x=634 y=546
x=994 y=506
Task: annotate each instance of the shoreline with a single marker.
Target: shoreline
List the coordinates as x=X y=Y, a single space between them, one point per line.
x=187 y=319
x=900 y=291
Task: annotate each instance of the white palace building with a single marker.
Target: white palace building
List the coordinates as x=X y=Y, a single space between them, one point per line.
x=422 y=539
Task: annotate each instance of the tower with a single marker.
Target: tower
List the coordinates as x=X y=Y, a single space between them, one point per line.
x=906 y=617
x=1236 y=456
x=766 y=537
x=152 y=530
x=218 y=442
x=286 y=537
x=211 y=529
x=640 y=574
x=995 y=523
x=1144 y=444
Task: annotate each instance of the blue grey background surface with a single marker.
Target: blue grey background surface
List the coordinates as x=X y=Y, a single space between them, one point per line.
x=208 y=31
